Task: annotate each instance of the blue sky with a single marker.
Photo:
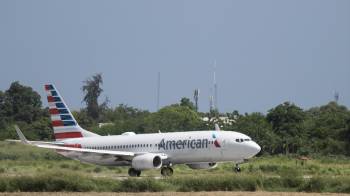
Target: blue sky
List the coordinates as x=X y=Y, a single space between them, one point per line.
x=267 y=52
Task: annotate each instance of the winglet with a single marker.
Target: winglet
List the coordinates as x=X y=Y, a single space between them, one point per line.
x=21 y=136
x=217 y=128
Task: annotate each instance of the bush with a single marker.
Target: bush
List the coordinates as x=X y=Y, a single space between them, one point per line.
x=314 y=185
x=5 y=156
x=48 y=182
x=269 y=168
x=314 y=169
x=215 y=183
x=338 y=185
x=272 y=184
x=97 y=169
x=290 y=177
x=64 y=166
x=140 y=185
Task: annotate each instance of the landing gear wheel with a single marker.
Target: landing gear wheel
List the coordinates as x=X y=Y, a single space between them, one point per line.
x=237 y=168
x=134 y=173
x=167 y=171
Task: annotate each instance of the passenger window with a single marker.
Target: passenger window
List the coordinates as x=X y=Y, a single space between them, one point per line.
x=237 y=140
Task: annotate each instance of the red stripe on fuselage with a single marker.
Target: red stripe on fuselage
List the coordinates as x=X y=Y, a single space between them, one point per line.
x=72 y=145
x=47 y=87
x=66 y=135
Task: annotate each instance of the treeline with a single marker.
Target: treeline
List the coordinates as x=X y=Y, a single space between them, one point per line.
x=284 y=129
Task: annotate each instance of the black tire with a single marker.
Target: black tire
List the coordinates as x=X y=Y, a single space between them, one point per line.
x=138 y=173
x=134 y=173
x=167 y=171
x=237 y=169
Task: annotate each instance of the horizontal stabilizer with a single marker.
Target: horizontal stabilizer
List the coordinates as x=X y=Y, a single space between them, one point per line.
x=21 y=136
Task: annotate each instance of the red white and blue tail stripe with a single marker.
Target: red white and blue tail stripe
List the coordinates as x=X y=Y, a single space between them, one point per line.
x=63 y=122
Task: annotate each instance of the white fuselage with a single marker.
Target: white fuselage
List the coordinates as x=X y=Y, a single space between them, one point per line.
x=178 y=147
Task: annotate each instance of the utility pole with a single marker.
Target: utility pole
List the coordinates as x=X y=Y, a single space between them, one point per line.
x=336 y=96
x=158 y=90
x=196 y=97
x=215 y=89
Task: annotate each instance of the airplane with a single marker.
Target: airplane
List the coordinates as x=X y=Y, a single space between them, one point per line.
x=196 y=149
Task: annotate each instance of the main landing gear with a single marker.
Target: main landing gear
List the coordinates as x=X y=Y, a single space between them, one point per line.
x=167 y=171
x=237 y=168
x=134 y=173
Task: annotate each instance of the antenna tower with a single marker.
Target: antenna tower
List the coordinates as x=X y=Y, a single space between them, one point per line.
x=336 y=96
x=215 y=89
x=196 y=97
x=158 y=90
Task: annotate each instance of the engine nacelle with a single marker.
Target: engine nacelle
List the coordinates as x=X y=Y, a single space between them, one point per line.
x=202 y=165
x=146 y=161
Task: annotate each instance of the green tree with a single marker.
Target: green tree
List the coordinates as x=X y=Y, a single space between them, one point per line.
x=173 y=118
x=259 y=129
x=126 y=118
x=187 y=103
x=92 y=90
x=328 y=128
x=2 y=109
x=21 y=103
x=84 y=119
x=287 y=122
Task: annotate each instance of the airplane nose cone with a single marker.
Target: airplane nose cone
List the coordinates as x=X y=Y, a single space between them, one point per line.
x=257 y=148
x=254 y=149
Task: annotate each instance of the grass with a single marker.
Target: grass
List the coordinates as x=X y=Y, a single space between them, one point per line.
x=165 y=194
x=26 y=168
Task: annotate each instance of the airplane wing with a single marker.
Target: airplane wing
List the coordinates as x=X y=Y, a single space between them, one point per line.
x=106 y=152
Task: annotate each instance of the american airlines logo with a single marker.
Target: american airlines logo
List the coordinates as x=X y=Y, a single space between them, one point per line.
x=216 y=143
x=182 y=144
x=189 y=144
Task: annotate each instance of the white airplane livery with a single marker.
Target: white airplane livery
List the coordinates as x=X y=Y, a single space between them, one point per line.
x=197 y=149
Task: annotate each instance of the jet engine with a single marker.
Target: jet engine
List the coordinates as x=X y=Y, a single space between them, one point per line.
x=202 y=165
x=146 y=161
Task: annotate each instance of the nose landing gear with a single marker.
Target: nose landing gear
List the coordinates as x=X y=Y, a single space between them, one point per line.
x=237 y=168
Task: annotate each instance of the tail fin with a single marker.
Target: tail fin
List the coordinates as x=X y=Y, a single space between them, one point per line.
x=63 y=122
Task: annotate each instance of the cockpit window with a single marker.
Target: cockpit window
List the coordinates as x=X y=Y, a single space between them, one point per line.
x=242 y=140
